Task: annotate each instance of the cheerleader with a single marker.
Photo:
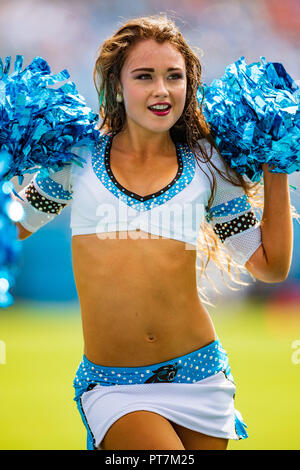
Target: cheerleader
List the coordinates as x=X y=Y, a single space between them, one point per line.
x=154 y=197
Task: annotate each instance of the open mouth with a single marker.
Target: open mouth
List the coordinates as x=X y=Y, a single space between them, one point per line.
x=160 y=111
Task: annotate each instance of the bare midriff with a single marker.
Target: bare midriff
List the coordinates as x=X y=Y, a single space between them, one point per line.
x=139 y=299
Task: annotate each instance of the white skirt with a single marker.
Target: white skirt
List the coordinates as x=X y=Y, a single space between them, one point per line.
x=206 y=407
x=195 y=391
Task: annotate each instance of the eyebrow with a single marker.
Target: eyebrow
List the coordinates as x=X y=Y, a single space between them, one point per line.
x=170 y=69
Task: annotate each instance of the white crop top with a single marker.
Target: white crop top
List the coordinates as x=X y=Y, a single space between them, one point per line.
x=100 y=204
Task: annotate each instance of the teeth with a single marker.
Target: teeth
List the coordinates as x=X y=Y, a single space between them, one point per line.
x=160 y=106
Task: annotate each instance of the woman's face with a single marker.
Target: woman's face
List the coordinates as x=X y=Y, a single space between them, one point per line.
x=160 y=78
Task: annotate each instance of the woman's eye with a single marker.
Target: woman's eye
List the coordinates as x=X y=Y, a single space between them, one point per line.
x=177 y=75
x=147 y=75
x=143 y=75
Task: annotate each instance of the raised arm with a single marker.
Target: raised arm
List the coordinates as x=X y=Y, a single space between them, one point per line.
x=272 y=261
x=265 y=247
x=232 y=217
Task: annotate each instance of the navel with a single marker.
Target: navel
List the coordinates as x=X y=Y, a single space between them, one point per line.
x=150 y=337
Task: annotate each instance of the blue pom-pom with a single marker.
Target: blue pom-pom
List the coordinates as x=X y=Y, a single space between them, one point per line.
x=253 y=112
x=38 y=123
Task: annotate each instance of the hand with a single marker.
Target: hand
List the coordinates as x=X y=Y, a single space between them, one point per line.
x=265 y=167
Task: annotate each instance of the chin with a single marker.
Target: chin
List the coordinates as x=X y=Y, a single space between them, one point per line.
x=161 y=126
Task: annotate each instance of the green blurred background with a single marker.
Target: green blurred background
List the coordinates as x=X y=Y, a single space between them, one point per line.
x=44 y=347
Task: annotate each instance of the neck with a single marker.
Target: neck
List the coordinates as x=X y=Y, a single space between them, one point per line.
x=143 y=144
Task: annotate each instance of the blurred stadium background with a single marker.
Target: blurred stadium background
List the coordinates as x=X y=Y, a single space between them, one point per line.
x=40 y=335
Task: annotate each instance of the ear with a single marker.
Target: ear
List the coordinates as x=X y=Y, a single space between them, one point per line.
x=118 y=86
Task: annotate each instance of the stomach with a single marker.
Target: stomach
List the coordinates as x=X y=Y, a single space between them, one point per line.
x=139 y=299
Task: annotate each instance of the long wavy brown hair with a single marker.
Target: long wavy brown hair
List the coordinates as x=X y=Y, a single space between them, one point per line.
x=190 y=128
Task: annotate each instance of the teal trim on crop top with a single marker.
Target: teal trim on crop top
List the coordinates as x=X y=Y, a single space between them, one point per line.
x=101 y=166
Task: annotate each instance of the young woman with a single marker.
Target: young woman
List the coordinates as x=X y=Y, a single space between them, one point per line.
x=154 y=195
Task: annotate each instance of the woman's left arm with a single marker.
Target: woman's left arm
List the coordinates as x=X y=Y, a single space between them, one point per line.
x=272 y=260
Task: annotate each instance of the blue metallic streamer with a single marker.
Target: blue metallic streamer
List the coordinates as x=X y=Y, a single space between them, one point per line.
x=253 y=112
x=38 y=123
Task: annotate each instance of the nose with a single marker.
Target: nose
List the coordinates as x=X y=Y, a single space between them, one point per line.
x=160 y=88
